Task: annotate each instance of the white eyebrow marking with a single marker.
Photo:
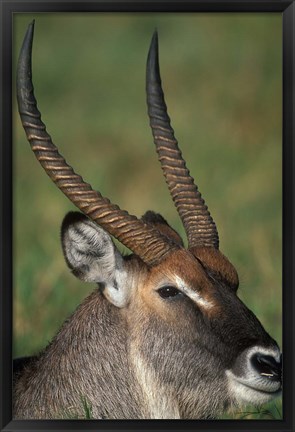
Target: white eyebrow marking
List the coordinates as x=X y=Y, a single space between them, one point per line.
x=192 y=294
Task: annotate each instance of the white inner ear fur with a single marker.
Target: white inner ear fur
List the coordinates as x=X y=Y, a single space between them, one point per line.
x=93 y=257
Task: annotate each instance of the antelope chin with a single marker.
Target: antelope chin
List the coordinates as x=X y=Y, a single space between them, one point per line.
x=254 y=391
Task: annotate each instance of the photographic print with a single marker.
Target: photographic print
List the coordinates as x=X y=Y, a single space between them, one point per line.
x=151 y=287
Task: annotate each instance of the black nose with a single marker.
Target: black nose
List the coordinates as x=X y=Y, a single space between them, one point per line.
x=267 y=366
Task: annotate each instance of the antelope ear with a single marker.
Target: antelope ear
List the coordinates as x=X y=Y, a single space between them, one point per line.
x=162 y=225
x=92 y=256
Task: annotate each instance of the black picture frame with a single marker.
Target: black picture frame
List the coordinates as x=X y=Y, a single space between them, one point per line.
x=287 y=9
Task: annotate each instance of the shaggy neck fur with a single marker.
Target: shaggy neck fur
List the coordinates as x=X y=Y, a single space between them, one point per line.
x=88 y=353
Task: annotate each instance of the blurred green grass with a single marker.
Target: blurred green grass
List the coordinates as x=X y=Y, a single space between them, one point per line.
x=222 y=80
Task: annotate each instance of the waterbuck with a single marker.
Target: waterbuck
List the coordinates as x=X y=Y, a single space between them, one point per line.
x=164 y=334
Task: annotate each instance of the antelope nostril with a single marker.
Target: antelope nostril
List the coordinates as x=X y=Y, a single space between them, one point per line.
x=267 y=366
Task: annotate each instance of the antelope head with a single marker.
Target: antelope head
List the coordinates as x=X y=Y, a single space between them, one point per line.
x=190 y=338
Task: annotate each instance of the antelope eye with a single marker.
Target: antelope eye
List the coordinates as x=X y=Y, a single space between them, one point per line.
x=168 y=291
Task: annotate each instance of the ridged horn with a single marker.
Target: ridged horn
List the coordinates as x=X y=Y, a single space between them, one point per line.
x=144 y=240
x=200 y=228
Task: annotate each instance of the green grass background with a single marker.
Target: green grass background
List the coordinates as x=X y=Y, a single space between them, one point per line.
x=222 y=80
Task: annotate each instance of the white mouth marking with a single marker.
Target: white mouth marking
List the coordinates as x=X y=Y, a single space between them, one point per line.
x=248 y=392
x=253 y=387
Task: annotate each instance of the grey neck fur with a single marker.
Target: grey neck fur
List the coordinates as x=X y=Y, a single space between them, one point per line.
x=82 y=340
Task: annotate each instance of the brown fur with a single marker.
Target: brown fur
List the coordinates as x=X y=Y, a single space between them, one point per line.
x=213 y=260
x=153 y=358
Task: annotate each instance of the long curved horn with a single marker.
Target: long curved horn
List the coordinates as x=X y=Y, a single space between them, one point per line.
x=145 y=241
x=198 y=223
